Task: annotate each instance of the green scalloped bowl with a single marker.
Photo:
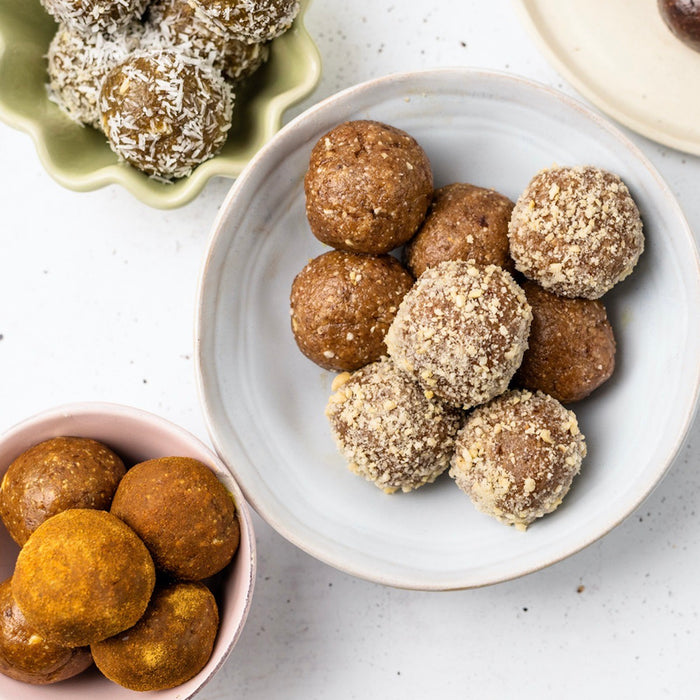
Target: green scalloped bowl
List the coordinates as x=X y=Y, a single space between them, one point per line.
x=79 y=158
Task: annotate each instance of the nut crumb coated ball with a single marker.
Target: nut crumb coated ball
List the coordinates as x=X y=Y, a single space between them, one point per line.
x=82 y=576
x=178 y=24
x=517 y=455
x=165 y=112
x=683 y=18
x=170 y=644
x=252 y=21
x=576 y=231
x=78 y=64
x=571 y=348
x=464 y=222
x=461 y=331
x=342 y=304
x=95 y=16
x=26 y=656
x=367 y=188
x=182 y=512
x=53 y=476
x=387 y=428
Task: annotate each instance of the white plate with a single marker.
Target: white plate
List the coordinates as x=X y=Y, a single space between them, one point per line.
x=621 y=56
x=264 y=402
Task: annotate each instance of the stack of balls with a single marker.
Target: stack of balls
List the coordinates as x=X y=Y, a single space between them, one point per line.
x=468 y=366
x=112 y=565
x=157 y=79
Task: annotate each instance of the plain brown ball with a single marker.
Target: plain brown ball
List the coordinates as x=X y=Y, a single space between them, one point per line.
x=571 y=346
x=26 y=656
x=83 y=575
x=464 y=222
x=183 y=513
x=170 y=644
x=367 y=188
x=53 y=476
x=342 y=304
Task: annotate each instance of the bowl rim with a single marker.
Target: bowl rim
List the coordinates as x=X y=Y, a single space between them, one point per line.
x=117 y=410
x=184 y=190
x=336 y=560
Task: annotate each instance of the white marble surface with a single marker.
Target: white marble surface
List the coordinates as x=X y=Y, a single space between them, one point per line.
x=97 y=303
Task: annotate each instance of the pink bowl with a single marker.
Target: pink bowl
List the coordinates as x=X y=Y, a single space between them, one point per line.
x=136 y=436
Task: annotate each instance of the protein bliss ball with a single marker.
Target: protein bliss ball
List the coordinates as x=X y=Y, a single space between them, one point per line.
x=170 y=644
x=517 y=455
x=342 y=304
x=95 y=16
x=179 y=24
x=571 y=346
x=461 y=331
x=683 y=18
x=464 y=222
x=78 y=64
x=367 y=188
x=388 y=430
x=53 y=476
x=183 y=513
x=252 y=21
x=26 y=656
x=165 y=112
x=576 y=231
x=82 y=576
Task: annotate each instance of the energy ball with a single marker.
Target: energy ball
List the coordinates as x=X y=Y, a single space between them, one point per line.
x=571 y=346
x=83 y=576
x=95 y=16
x=387 y=428
x=53 y=476
x=26 y=656
x=183 y=513
x=576 y=231
x=342 y=305
x=517 y=456
x=252 y=21
x=461 y=332
x=165 y=112
x=180 y=25
x=464 y=222
x=78 y=64
x=367 y=188
x=683 y=18
x=170 y=644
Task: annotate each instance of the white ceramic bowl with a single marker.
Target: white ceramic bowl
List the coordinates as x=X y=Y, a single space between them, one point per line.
x=136 y=436
x=264 y=402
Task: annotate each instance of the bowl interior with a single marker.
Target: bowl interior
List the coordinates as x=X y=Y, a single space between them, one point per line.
x=79 y=158
x=136 y=436
x=264 y=402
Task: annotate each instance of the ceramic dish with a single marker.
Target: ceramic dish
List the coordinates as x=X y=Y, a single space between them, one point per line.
x=136 y=436
x=264 y=402
x=79 y=157
x=622 y=57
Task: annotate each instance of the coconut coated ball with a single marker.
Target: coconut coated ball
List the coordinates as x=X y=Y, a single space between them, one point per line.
x=576 y=231
x=53 y=476
x=517 y=455
x=183 y=513
x=26 y=656
x=95 y=16
x=367 y=188
x=170 y=644
x=82 y=576
x=464 y=222
x=165 y=112
x=571 y=348
x=78 y=64
x=461 y=332
x=342 y=304
x=387 y=428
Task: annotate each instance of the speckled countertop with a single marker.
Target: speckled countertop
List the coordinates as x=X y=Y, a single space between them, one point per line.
x=97 y=303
